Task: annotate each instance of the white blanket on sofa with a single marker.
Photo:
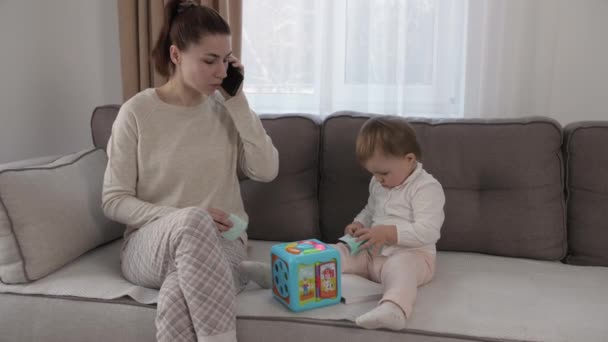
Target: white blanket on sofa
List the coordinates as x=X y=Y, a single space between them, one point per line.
x=472 y=294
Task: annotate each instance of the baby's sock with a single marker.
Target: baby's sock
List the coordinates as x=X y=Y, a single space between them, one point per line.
x=259 y=272
x=387 y=315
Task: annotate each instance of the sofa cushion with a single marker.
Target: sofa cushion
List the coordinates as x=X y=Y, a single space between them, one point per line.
x=101 y=124
x=51 y=214
x=473 y=297
x=587 y=187
x=503 y=180
x=287 y=208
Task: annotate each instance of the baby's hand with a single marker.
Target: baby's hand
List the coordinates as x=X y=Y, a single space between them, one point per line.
x=352 y=228
x=377 y=237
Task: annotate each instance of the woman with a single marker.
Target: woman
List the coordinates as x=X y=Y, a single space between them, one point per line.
x=172 y=178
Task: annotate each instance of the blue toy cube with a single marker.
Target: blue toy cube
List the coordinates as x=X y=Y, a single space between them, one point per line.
x=306 y=274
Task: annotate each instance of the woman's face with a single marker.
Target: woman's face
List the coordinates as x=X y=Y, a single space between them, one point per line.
x=202 y=66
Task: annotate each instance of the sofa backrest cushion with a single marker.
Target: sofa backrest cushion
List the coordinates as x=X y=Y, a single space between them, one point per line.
x=51 y=214
x=503 y=181
x=101 y=124
x=285 y=209
x=587 y=188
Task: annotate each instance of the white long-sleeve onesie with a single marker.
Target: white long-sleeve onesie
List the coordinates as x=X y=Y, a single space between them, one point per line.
x=415 y=207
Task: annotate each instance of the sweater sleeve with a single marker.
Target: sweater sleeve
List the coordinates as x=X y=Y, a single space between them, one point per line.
x=119 y=195
x=366 y=215
x=258 y=158
x=427 y=205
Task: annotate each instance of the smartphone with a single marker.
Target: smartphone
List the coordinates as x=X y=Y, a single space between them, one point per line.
x=233 y=80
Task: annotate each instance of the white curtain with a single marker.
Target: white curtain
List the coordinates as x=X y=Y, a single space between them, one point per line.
x=437 y=58
x=384 y=56
x=511 y=56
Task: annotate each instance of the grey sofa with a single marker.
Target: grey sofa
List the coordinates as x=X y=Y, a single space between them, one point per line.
x=522 y=256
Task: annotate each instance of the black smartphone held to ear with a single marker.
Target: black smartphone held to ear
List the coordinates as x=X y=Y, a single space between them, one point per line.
x=233 y=80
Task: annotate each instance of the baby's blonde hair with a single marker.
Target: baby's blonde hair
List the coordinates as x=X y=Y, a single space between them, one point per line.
x=391 y=135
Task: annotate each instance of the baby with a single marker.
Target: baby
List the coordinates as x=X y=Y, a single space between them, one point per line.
x=400 y=224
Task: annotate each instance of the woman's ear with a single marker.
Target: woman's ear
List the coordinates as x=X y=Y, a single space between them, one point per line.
x=175 y=54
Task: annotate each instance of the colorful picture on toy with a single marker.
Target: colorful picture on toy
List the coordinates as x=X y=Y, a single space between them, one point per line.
x=327 y=279
x=306 y=283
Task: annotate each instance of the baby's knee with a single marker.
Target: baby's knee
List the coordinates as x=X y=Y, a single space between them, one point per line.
x=405 y=261
x=414 y=263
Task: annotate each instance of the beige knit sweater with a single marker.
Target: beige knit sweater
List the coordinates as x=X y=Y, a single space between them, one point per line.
x=164 y=157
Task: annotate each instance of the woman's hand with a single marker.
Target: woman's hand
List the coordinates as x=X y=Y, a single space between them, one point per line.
x=352 y=228
x=237 y=64
x=377 y=237
x=221 y=219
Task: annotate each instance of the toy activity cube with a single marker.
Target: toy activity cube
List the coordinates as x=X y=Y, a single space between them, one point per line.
x=306 y=274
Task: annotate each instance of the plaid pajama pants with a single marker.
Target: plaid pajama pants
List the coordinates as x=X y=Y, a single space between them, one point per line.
x=196 y=270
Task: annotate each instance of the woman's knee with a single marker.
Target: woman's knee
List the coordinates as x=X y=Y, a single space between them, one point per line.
x=194 y=222
x=196 y=217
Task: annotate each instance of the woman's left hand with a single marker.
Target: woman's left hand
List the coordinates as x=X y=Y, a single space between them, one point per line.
x=237 y=64
x=220 y=218
x=377 y=237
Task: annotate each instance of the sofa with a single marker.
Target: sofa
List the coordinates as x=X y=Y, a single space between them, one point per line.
x=523 y=254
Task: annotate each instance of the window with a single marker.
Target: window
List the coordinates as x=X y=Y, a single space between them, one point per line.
x=382 y=56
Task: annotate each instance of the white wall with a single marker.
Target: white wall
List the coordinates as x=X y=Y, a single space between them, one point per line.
x=58 y=60
x=580 y=82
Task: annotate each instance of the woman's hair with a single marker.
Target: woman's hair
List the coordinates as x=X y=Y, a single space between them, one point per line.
x=186 y=22
x=391 y=135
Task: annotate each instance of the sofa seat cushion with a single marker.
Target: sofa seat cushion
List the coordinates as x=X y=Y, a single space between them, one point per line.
x=95 y=275
x=472 y=296
x=51 y=214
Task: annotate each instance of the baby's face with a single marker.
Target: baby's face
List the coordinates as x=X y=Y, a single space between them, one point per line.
x=391 y=171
